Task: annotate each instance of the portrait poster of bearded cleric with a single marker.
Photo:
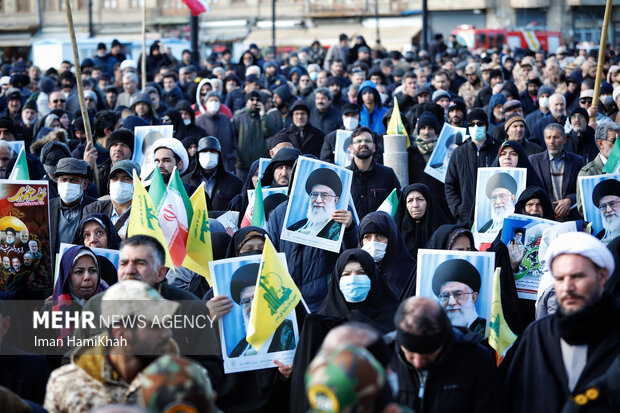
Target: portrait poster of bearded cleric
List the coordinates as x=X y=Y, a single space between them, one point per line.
x=24 y=235
x=236 y=278
x=600 y=197
x=319 y=189
x=461 y=281
x=497 y=192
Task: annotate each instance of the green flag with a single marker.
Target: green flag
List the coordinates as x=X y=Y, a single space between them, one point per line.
x=157 y=190
x=613 y=162
x=258 y=213
x=390 y=203
x=20 y=169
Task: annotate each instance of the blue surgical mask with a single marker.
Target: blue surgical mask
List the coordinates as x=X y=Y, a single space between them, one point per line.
x=477 y=133
x=355 y=288
x=607 y=100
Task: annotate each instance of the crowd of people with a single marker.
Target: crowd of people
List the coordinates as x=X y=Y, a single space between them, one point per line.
x=368 y=343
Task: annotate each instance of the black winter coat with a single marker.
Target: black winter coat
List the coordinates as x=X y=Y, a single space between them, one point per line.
x=371 y=187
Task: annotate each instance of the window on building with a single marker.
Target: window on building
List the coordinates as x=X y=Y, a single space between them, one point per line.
x=136 y=3
x=23 y=6
x=48 y=5
x=110 y=4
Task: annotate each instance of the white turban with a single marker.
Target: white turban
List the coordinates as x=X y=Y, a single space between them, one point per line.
x=175 y=146
x=583 y=244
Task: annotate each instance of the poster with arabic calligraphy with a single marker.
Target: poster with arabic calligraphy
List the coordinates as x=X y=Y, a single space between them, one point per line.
x=24 y=234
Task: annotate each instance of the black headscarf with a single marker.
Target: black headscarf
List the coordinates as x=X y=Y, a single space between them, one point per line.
x=524 y=162
x=397 y=267
x=532 y=192
x=239 y=237
x=417 y=232
x=379 y=306
x=114 y=241
x=446 y=234
x=180 y=131
x=240 y=202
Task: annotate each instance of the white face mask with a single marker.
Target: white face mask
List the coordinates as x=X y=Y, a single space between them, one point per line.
x=69 y=192
x=375 y=249
x=350 y=122
x=314 y=76
x=186 y=122
x=121 y=192
x=213 y=106
x=543 y=102
x=477 y=133
x=208 y=160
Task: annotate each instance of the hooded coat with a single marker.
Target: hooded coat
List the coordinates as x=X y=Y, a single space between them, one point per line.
x=397 y=267
x=524 y=162
x=535 y=192
x=416 y=233
x=375 y=120
x=114 y=241
x=220 y=126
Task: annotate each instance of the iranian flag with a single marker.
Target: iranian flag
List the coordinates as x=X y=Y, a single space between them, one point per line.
x=20 y=169
x=390 y=203
x=175 y=216
x=613 y=162
x=197 y=6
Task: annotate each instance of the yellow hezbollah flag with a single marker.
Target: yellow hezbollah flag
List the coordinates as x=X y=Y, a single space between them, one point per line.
x=396 y=127
x=501 y=337
x=275 y=297
x=143 y=219
x=199 y=250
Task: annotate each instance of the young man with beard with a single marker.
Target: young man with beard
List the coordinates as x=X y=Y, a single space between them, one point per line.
x=501 y=190
x=456 y=283
x=606 y=197
x=372 y=182
x=324 y=188
x=558 y=357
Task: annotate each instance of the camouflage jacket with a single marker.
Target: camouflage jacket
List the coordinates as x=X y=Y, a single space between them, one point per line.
x=90 y=381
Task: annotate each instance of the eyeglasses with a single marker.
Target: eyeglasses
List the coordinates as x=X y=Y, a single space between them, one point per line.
x=245 y=301
x=578 y=116
x=323 y=195
x=58 y=101
x=360 y=141
x=458 y=296
x=585 y=101
x=500 y=197
x=611 y=204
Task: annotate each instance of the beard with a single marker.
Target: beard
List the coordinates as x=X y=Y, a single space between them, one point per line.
x=611 y=223
x=363 y=154
x=464 y=315
x=499 y=213
x=317 y=215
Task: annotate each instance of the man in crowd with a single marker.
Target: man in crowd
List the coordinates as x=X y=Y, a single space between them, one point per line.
x=304 y=136
x=516 y=130
x=323 y=115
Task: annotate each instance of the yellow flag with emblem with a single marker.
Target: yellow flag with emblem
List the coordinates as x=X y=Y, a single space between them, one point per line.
x=501 y=337
x=199 y=249
x=143 y=219
x=275 y=297
x=395 y=126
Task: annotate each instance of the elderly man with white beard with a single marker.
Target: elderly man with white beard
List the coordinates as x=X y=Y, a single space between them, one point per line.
x=456 y=283
x=501 y=190
x=606 y=197
x=324 y=188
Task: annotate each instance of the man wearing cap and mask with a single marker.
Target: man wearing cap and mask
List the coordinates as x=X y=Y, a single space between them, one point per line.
x=324 y=188
x=221 y=186
x=121 y=143
x=350 y=121
x=242 y=289
x=439 y=367
x=456 y=283
x=252 y=127
x=478 y=152
x=118 y=206
x=105 y=372
x=501 y=190
x=558 y=357
x=217 y=124
x=67 y=210
x=606 y=197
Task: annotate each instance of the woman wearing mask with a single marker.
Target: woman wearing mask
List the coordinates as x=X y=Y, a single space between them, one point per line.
x=380 y=237
x=417 y=217
x=511 y=155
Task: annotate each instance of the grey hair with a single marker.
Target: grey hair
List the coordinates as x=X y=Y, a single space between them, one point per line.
x=6 y=145
x=560 y=95
x=555 y=126
x=603 y=129
x=131 y=77
x=324 y=91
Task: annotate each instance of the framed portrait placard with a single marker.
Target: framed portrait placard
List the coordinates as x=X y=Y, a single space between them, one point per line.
x=600 y=198
x=449 y=138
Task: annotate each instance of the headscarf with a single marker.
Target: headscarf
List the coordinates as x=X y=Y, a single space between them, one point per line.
x=241 y=237
x=532 y=192
x=444 y=236
x=417 y=232
x=114 y=241
x=524 y=162
x=180 y=132
x=496 y=99
x=397 y=267
x=379 y=306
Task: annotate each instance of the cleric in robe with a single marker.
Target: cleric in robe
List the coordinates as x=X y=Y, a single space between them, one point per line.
x=606 y=197
x=324 y=188
x=456 y=283
x=242 y=288
x=502 y=191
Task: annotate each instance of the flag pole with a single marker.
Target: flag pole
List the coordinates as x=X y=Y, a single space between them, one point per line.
x=601 y=54
x=143 y=65
x=80 y=87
